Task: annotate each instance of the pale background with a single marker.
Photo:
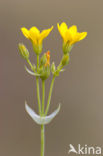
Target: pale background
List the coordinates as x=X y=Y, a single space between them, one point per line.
x=79 y=88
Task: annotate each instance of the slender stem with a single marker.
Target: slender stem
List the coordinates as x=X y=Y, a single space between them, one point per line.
x=42 y=139
x=38 y=94
x=42 y=113
x=37 y=62
x=37 y=83
x=39 y=104
x=43 y=96
x=49 y=97
x=29 y=63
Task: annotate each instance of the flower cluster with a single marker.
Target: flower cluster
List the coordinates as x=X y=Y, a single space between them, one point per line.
x=69 y=35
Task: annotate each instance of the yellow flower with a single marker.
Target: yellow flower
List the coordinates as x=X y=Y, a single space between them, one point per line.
x=70 y=35
x=35 y=35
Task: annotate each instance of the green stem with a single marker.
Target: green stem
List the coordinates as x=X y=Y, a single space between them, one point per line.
x=29 y=63
x=42 y=113
x=42 y=139
x=37 y=62
x=43 y=96
x=37 y=83
x=39 y=103
x=49 y=97
x=38 y=95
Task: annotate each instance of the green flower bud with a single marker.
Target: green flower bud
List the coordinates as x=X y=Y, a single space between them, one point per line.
x=23 y=51
x=53 y=69
x=67 y=48
x=43 y=60
x=45 y=72
x=65 y=60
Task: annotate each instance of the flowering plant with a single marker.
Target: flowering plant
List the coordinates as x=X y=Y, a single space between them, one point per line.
x=43 y=68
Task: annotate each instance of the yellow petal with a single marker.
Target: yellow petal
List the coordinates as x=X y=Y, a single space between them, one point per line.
x=82 y=35
x=25 y=32
x=73 y=30
x=34 y=32
x=78 y=37
x=68 y=36
x=62 y=29
x=44 y=34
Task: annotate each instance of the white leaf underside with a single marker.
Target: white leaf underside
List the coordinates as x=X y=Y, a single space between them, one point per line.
x=30 y=72
x=41 y=120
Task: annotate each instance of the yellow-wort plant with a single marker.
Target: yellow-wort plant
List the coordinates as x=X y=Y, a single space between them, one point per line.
x=43 y=68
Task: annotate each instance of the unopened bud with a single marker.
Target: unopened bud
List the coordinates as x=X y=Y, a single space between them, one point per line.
x=43 y=60
x=45 y=72
x=23 y=51
x=47 y=58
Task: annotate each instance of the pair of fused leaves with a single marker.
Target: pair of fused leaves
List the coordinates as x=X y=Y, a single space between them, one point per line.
x=41 y=120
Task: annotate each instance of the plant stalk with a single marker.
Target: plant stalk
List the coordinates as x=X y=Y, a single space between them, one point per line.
x=37 y=83
x=42 y=140
x=42 y=114
x=43 y=96
x=49 y=97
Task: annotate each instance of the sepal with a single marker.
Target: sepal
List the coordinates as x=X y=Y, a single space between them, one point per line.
x=53 y=68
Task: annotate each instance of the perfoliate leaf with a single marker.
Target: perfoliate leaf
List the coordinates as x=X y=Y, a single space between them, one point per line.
x=39 y=119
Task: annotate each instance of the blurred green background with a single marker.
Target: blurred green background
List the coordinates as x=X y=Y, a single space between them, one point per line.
x=79 y=88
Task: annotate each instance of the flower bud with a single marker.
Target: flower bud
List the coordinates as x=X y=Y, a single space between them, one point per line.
x=45 y=66
x=65 y=60
x=45 y=72
x=23 y=51
x=47 y=58
x=66 y=48
x=43 y=60
x=53 y=68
